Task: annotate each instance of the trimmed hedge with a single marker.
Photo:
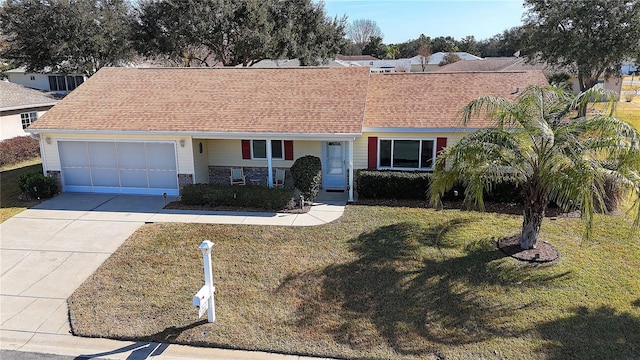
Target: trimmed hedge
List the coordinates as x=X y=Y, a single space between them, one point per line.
x=386 y=184
x=307 y=176
x=37 y=186
x=413 y=185
x=18 y=149
x=250 y=196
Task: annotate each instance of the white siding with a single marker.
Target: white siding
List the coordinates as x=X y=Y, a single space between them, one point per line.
x=11 y=125
x=200 y=160
x=40 y=81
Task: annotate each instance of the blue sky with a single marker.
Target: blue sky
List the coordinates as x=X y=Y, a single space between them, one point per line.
x=404 y=20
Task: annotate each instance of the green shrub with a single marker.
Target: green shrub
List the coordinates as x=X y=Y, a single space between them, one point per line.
x=18 y=149
x=386 y=184
x=37 y=186
x=307 y=176
x=413 y=185
x=257 y=197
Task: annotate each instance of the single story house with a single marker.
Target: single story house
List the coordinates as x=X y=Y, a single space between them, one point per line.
x=57 y=83
x=20 y=107
x=154 y=130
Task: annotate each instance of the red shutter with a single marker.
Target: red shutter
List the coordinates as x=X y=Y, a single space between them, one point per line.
x=288 y=150
x=373 y=152
x=441 y=143
x=246 y=149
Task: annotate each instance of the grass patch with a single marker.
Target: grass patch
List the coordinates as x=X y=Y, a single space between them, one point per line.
x=10 y=203
x=629 y=111
x=381 y=283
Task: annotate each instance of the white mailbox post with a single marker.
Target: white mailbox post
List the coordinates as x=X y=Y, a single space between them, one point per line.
x=203 y=299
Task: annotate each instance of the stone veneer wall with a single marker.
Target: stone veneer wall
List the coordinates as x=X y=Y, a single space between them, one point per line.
x=184 y=179
x=55 y=174
x=259 y=175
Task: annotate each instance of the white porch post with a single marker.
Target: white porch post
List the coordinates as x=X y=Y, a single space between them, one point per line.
x=269 y=164
x=351 y=170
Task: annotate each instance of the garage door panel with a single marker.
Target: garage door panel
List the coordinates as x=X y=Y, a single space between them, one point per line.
x=162 y=179
x=77 y=177
x=105 y=177
x=133 y=178
x=163 y=156
x=132 y=155
x=102 y=154
x=73 y=154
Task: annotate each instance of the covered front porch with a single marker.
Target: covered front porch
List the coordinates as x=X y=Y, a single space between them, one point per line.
x=260 y=157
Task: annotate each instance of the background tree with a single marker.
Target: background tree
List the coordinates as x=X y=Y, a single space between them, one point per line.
x=238 y=32
x=469 y=45
x=66 y=36
x=449 y=58
x=425 y=54
x=410 y=48
x=587 y=36
x=444 y=44
x=551 y=158
x=361 y=31
x=375 y=48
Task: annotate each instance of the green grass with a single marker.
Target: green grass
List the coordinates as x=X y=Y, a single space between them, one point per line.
x=629 y=111
x=381 y=282
x=10 y=204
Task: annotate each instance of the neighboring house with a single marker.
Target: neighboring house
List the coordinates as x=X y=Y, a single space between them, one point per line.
x=433 y=63
x=152 y=131
x=58 y=83
x=630 y=67
x=518 y=64
x=355 y=57
x=20 y=107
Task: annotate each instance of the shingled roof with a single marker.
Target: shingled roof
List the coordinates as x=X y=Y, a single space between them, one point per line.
x=434 y=99
x=14 y=96
x=215 y=100
x=303 y=101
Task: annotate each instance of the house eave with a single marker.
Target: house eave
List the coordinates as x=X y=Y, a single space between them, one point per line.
x=207 y=135
x=27 y=106
x=419 y=130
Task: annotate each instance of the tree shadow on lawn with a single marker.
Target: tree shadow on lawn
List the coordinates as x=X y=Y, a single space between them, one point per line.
x=600 y=333
x=408 y=289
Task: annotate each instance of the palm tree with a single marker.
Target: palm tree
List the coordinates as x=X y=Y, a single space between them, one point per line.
x=535 y=144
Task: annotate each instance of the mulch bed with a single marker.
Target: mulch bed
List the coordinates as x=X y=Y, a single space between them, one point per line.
x=542 y=253
x=177 y=205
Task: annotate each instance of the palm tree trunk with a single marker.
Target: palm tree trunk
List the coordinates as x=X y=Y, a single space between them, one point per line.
x=534 y=210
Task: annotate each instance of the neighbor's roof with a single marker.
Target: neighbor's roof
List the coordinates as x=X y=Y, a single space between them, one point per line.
x=14 y=96
x=215 y=100
x=434 y=99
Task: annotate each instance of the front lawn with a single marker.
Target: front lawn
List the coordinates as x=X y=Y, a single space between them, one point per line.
x=10 y=202
x=381 y=282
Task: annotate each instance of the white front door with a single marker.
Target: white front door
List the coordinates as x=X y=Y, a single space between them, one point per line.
x=334 y=169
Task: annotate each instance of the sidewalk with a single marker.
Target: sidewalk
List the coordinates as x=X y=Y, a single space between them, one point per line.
x=46 y=252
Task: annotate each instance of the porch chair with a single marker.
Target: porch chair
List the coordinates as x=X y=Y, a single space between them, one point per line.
x=279 y=179
x=237 y=177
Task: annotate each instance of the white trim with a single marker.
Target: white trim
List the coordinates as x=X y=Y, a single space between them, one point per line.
x=209 y=135
x=418 y=130
x=350 y=171
x=419 y=168
x=27 y=106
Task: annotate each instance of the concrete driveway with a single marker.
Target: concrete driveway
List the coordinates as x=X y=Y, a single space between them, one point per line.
x=46 y=252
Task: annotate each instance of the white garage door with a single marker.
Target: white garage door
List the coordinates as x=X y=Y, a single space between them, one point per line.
x=119 y=167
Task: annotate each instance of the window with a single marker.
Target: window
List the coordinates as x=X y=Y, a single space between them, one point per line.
x=259 y=149
x=406 y=154
x=64 y=83
x=28 y=118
